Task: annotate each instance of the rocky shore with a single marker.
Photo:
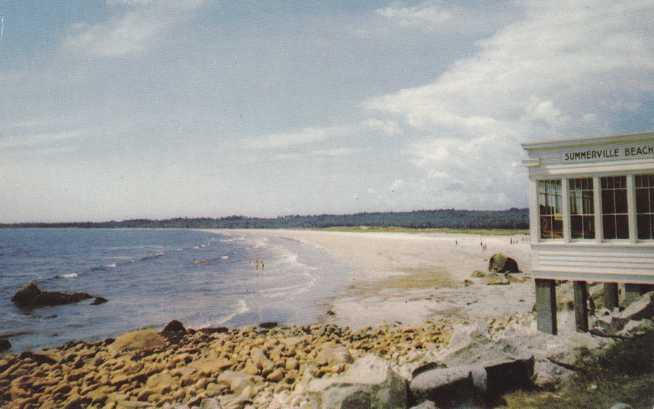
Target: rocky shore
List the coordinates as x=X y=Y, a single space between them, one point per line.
x=243 y=367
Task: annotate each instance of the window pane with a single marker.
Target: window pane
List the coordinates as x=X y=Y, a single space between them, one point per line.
x=589 y=205
x=621 y=201
x=642 y=200
x=609 y=226
x=557 y=228
x=589 y=227
x=620 y=182
x=640 y=181
x=549 y=203
x=651 y=199
x=608 y=205
x=575 y=205
x=576 y=226
x=644 y=227
x=545 y=227
x=622 y=226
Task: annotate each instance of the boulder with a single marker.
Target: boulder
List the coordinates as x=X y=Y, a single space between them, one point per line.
x=174 y=327
x=236 y=381
x=467 y=384
x=425 y=405
x=640 y=308
x=268 y=325
x=507 y=375
x=499 y=263
x=5 y=345
x=99 y=300
x=449 y=387
x=141 y=340
x=370 y=383
x=333 y=355
x=31 y=296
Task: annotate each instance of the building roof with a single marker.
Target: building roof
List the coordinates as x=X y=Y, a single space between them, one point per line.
x=580 y=142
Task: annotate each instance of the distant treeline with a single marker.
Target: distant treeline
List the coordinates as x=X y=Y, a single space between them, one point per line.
x=442 y=218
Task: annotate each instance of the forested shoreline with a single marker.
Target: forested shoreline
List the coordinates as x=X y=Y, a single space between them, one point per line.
x=513 y=218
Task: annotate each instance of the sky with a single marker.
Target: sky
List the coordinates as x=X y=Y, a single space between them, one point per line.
x=117 y=109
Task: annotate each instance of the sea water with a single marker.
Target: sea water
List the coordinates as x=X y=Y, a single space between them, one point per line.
x=153 y=276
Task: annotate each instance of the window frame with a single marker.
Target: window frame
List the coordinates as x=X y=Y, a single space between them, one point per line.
x=593 y=216
x=600 y=238
x=615 y=214
x=650 y=213
x=561 y=210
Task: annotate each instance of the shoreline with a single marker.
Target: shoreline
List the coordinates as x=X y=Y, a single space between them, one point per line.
x=411 y=302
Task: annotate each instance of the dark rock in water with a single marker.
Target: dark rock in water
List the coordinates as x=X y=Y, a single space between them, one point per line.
x=267 y=325
x=500 y=263
x=5 y=345
x=99 y=300
x=31 y=296
x=174 y=327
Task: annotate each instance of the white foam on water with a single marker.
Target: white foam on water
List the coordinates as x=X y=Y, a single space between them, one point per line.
x=224 y=257
x=111 y=265
x=241 y=308
x=68 y=275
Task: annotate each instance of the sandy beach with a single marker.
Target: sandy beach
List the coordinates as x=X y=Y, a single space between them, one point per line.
x=412 y=277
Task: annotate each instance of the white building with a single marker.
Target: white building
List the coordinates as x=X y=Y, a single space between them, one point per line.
x=591 y=217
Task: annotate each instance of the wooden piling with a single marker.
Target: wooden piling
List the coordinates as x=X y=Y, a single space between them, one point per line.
x=611 y=299
x=581 y=305
x=546 y=306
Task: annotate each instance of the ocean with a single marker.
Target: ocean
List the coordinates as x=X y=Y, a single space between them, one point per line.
x=151 y=277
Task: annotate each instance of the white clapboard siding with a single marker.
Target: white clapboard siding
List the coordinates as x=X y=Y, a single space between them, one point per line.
x=600 y=262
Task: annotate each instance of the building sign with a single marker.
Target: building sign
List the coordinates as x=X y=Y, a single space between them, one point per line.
x=644 y=151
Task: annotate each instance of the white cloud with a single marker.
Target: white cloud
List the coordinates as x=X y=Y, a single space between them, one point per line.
x=137 y=25
x=428 y=15
x=283 y=140
x=387 y=127
x=565 y=69
x=48 y=140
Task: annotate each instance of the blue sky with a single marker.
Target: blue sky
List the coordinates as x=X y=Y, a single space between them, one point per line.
x=114 y=109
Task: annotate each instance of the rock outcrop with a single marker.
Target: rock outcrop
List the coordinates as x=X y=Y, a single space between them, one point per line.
x=369 y=383
x=31 y=296
x=470 y=384
x=5 y=345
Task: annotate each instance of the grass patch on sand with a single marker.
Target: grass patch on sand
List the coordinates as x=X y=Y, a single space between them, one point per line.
x=391 y=229
x=624 y=373
x=413 y=279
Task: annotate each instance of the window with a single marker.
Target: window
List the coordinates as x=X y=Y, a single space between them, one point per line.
x=615 y=217
x=645 y=206
x=582 y=208
x=549 y=202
